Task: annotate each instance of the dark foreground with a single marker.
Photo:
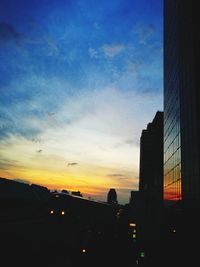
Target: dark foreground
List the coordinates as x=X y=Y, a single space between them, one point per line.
x=30 y=237
x=44 y=242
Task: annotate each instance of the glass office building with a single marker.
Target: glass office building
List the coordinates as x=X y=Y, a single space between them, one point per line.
x=181 y=100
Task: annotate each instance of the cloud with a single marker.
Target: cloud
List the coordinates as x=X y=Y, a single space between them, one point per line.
x=72 y=163
x=119 y=176
x=96 y=26
x=47 y=44
x=93 y=53
x=112 y=50
x=116 y=175
x=36 y=140
x=144 y=32
x=129 y=142
x=39 y=151
x=50 y=114
x=8 y=33
x=7 y=163
x=108 y=50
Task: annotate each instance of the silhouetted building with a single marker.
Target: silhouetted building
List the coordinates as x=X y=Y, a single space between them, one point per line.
x=65 y=191
x=134 y=205
x=14 y=190
x=133 y=197
x=112 y=196
x=77 y=193
x=41 y=192
x=181 y=100
x=150 y=198
x=182 y=126
x=151 y=157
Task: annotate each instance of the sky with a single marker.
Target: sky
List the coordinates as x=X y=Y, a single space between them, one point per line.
x=80 y=79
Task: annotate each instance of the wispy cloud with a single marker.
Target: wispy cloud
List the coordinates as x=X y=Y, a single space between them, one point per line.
x=116 y=175
x=93 y=53
x=144 y=32
x=7 y=163
x=50 y=114
x=9 y=33
x=72 y=163
x=112 y=50
x=96 y=26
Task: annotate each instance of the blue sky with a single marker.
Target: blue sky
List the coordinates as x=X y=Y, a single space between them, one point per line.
x=79 y=82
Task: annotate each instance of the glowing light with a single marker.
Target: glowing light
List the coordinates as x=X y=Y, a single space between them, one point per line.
x=132 y=224
x=83 y=250
x=142 y=254
x=51 y=211
x=63 y=213
x=134 y=236
x=174 y=231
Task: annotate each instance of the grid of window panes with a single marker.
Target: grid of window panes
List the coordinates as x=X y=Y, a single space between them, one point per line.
x=172 y=144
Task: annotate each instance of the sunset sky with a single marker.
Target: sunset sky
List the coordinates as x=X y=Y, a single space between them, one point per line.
x=80 y=79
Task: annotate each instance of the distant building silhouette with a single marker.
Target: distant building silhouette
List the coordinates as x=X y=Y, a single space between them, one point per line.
x=77 y=193
x=112 y=196
x=41 y=192
x=65 y=191
x=181 y=100
x=14 y=190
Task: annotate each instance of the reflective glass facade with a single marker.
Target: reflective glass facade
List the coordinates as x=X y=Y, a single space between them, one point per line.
x=181 y=100
x=172 y=149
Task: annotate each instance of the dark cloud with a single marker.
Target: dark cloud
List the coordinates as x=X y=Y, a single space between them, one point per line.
x=130 y=142
x=50 y=114
x=72 y=163
x=8 y=33
x=36 y=140
x=119 y=176
x=5 y=164
x=116 y=175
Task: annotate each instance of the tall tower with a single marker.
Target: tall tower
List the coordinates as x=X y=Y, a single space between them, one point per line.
x=181 y=100
x=112 y=196
x=151 y=158
x=149 y=210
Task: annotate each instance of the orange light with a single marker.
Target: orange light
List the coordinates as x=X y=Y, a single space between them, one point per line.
x=132 y=224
